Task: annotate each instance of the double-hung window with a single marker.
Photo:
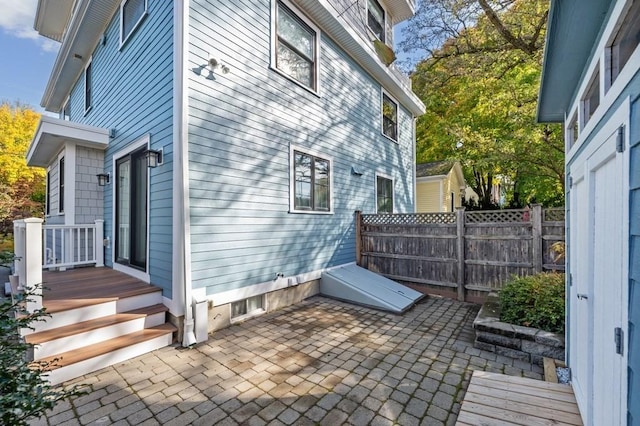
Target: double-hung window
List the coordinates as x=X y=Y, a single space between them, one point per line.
x=375 y=19
x=61 y=185
x=389 y=117
x=311 y=183
x=384 y=195
x=296 y=47
x=131 y=14
x=88 y=81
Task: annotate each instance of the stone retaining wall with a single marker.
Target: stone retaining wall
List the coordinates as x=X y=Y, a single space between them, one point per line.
x=524 y=343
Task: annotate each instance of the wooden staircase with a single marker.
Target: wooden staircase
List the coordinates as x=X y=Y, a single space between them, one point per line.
x=99 y=317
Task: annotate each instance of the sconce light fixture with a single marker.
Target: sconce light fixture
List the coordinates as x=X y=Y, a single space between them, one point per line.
x=355 y=171
x=104 y=179
x=154 y=158
x=214 y=64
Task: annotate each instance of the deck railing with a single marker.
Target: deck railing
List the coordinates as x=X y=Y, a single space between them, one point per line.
x=73 y=245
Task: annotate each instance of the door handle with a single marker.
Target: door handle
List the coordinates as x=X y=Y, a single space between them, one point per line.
x=582 y=296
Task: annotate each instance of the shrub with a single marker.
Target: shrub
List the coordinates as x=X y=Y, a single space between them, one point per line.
x=535 y=301
x=24 y=393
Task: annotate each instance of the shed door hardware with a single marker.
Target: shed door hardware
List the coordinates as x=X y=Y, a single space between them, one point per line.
x=582 y=296
x=620 y=140
x=619 y=340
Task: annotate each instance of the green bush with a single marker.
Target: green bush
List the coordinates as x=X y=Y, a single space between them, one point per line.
x=534 y=301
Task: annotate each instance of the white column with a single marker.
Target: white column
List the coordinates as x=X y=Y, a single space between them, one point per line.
x=33 y=262
x=98 y=244
x=18 y=250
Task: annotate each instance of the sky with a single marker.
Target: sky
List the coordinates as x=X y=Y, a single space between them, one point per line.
x=27 y=58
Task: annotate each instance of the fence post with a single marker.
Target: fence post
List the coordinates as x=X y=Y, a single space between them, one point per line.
x=460 y=237
x=536 y=233
x=98 y=243
x=32 y=262
x=358 y=225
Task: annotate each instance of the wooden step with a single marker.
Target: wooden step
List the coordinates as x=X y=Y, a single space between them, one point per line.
x=88 y=359
x=84 y=326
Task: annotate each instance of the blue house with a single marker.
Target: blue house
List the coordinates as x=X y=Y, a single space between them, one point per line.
x=591 y=84
x=224 y=145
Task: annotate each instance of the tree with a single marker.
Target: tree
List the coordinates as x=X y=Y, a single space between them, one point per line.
x=24 y=393
x=21 y=187
x=480 y=83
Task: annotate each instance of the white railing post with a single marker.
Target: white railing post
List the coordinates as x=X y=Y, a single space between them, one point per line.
x=18 y=250
x=98 y=243
x=32 y=279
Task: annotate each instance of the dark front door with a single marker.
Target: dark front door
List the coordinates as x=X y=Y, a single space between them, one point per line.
x=131 y=210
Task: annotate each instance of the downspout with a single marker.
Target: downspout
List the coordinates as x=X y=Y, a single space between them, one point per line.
x=415 y=161
x=181 y=166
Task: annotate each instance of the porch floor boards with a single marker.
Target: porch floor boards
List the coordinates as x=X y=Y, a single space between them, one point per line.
x=75 y=288
x=497 y=399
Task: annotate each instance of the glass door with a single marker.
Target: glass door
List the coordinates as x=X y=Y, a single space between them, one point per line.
x=131 y=210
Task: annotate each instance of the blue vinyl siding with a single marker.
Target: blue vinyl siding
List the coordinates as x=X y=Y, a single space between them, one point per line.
x=133 y=94
x=634 y=272
x=241 y=126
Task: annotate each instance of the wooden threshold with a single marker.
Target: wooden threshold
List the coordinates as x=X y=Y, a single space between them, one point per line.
x=497 y=399
x=67 y=358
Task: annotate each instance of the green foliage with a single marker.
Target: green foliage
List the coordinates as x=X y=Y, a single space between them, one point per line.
x=22 y=188
x=24 y=393
x=480 y=85
x=536 y=301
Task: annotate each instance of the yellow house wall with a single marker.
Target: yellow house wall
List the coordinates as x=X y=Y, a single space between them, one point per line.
x=451 y=185
x=427 y=197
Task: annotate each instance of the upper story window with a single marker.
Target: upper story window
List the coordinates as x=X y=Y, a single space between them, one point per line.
x=311 y=186
x=131 y=14
x=591 y=98
x=88 y=81
x=296 y=47
x=61 y=185
x=375 y=19
x=384 y=195
x=65 y=113
x=389 y=117
x=624 y=43
x=572 y=131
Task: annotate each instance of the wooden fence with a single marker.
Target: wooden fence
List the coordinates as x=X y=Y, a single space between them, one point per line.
x=461 y=254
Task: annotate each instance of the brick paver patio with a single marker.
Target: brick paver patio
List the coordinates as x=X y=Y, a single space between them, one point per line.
x=319 y=362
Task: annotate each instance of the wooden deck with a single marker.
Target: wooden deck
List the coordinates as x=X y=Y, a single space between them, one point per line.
x=497 y=399
x=64 y=290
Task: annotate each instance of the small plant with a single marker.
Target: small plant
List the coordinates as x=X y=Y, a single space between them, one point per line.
x=24 y=393
x=535 y=301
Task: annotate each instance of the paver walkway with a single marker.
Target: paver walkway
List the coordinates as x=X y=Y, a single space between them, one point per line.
x=318 y=362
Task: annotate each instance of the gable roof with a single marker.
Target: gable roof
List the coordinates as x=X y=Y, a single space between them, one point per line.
x=572 y=31
x=436 y=168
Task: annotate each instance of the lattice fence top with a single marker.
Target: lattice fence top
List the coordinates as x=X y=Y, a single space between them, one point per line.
x=498 y=216
x=553 y=215
x=408 y=219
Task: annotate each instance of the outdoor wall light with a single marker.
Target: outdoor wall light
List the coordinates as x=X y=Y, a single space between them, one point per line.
x=154 y=158
x=214 y=64
x=355 y=171
x=104 y=179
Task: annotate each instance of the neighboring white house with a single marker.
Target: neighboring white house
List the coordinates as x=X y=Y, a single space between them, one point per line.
x=591 y=84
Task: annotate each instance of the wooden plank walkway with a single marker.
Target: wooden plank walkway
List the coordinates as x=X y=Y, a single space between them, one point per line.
x=497 y=399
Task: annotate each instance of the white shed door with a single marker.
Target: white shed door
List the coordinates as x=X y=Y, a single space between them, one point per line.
x=597 y=295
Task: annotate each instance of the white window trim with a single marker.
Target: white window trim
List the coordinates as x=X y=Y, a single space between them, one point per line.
x=292 y=180
x=61 y=155
x=123 y=38
x=84 y=93
x=585 y=103
x=47 y=194
x=251 y=314
x=568 y=130
x=65 y=104
x=375 y=192
x=136 y=273
x=274 y=38
x=384 y=21
x=624 y=77
x=382 y=94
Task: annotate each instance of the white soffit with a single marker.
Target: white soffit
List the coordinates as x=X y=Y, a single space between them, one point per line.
x=53 y=133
